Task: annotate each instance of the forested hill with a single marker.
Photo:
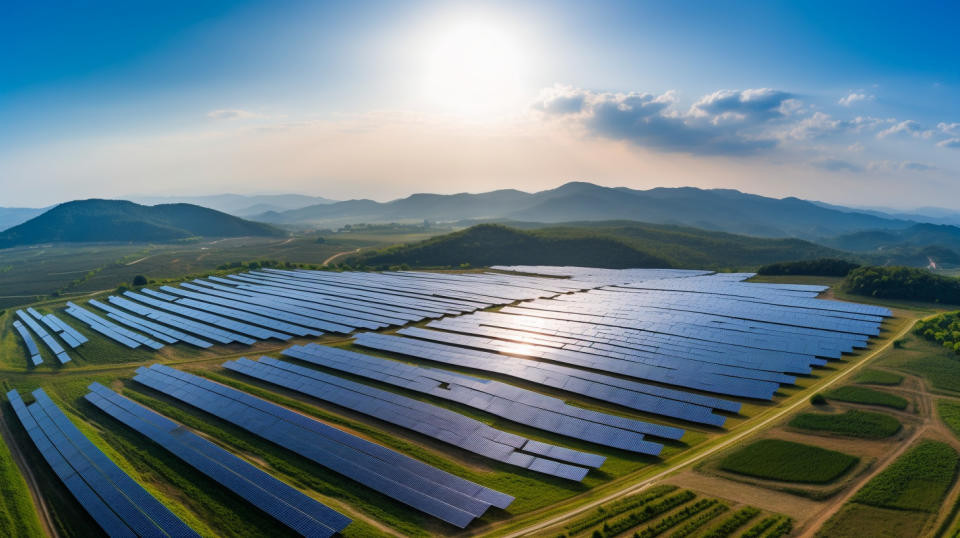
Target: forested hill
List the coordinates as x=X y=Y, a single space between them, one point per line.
x=118 y=220
x=614 y=245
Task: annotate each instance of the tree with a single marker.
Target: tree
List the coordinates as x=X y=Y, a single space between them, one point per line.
x=139 y=280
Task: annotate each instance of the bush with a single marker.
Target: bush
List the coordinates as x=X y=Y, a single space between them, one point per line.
x=853 y=423
x=139 y=280
x=903 y=283
x=775 y=459
x=918 y=480
x=863 y=395
x=616 y=508
x=821 y=267
x=694 y=525
x=818 y=399
x=943 y=329
x=673 y=519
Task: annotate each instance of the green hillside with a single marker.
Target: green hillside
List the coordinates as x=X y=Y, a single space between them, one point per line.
x=122 y=221
x=612 y=245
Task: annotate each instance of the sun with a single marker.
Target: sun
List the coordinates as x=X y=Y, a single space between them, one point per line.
x=474 y=66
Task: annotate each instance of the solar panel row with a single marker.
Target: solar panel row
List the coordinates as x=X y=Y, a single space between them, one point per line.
x=289 y=506
x=116 y=502
x=499 y=399
x=156 y=330
x=111 y=330
x=69 y=335
x=427 y=419
x=32 y=349
x=204 y=331
x=421 y=486
x=50 y=342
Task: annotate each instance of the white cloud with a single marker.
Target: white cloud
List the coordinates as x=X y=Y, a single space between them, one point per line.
x=855 y=97
x=949 y=143
x=907 y=127
x=232 y=114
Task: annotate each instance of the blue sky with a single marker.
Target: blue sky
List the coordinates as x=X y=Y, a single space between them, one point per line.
x=850 y=102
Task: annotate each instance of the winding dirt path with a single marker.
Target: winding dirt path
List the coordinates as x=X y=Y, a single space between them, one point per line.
x=329 y=260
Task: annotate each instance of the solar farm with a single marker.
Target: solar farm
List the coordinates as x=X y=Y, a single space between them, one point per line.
x=318 y=403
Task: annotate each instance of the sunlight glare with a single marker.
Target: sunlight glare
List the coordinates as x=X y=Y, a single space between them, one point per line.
x=474 y=66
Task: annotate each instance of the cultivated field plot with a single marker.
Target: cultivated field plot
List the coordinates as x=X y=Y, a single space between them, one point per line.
x=422 y=403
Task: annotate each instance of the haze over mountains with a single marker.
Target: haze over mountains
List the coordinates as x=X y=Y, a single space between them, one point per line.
x=119 y=220
x=717 y=209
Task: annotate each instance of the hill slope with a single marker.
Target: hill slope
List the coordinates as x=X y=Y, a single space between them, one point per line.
x=118 y=220
x=722 y=210
x=610 y=245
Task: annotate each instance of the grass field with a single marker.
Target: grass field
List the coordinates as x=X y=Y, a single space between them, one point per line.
x=863 y=395
x=18 y=516
x=30 y=274
x=853 y=423
x=858 y=521
x=950 y=414
x=918 y=480
x=785 y=461
x=938 y=366
x=878 y=377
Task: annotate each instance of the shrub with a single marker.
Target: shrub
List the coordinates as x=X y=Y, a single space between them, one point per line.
x=818 y=399
x=775 y=459
x=734 y=522
x=139 y=280
x=863 y=395
x=943 y=329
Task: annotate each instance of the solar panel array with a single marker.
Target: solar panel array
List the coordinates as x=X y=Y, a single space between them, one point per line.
x=631 y=394
x=69 y=335
x=430 y=420
x=48 y=340
x=115 y=501
x=416 y=484
x=286 y=504
x=499 y=399
x=111 y=330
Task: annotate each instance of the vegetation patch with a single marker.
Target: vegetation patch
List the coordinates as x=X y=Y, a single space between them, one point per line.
x=642 y=515
x=863 y=395
x=879 y=377
x=733 y=523
x=786 y=461
x=607 y=511
x=694 y=524
x=17 y=514
x=821 y=267
x=943 y=329
x=676 y=518
x=903 y=283
x=950 y=415
x=859 y=520
x=918 y=480
x=853 y=423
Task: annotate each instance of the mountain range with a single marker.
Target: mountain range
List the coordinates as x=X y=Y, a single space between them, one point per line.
x=711 y=209
x=122 y=221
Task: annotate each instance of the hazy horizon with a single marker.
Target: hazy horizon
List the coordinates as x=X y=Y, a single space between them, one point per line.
x=381 y=100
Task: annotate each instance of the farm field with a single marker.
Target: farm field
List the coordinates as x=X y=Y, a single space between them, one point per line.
x=786 y=461
x=865 y=396
x=852 y=423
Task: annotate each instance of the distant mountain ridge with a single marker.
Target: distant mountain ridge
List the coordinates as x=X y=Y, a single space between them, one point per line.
x=715 y=209
x=240 y=205
x=122 y=221
x=11 y=216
